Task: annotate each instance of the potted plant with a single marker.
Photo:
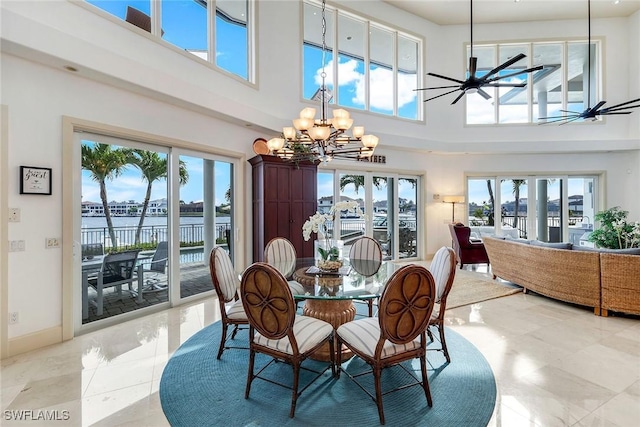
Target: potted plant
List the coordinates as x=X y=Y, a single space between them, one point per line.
x=615 y=231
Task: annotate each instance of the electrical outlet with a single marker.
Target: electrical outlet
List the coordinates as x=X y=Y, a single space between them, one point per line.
x=52 y=242
x=16 y=245
x=14 y=317
x=14 y=214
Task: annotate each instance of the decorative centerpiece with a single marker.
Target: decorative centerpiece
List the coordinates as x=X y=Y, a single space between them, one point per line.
x=329 y=251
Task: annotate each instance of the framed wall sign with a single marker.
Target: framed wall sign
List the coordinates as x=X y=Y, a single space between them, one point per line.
x=35 y=180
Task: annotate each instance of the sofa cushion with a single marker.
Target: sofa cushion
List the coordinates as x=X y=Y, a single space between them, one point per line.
x=558 y=245
x=627 y=251
x=511 y=239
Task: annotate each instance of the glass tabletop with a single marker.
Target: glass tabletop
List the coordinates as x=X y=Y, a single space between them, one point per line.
x=359 y=279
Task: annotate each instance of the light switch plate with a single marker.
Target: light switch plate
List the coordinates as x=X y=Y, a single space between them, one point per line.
x=52 y=242
x=14 y=215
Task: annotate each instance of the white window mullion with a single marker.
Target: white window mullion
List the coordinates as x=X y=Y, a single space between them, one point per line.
x=156 y=18
x=211 y=31
x=394 y=70
x=367 y=66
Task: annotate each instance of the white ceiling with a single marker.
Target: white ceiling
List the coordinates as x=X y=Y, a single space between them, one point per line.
x=448 y=12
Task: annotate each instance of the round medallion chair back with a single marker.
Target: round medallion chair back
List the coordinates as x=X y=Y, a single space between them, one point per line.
x=281 y=254
x=226 y=283
x=276 y=330
x=365 y=257
x=443 y=269
x=398 y=333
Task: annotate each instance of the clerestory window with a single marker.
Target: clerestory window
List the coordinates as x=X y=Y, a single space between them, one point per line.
x=371 y=67
x=186 y=23
x=566 y=82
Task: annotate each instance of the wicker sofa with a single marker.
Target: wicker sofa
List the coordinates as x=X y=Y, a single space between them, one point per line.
x=602 y=280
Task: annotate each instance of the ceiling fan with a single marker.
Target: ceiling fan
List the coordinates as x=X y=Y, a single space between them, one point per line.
x=597 y=110
x=474 y=84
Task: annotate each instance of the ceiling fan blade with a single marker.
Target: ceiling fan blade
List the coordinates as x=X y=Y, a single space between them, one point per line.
x=506 y=76
x=458 y=98
x=597 y=106
x=438 y=87
x=445 y=77
x=473 y=66
x=484 y=94
x=607 y=110
x=625 y=103
x=505 y=85
x=446 y=93
x=506 y=64
x=606 y=113
x=570 y=120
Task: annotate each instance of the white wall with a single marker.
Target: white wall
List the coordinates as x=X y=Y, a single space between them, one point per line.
x=125 y=81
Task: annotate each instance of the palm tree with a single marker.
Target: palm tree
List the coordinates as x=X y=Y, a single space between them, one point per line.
x=153 y=168
x=517 y=183
x=104 y=163
x=492 y=210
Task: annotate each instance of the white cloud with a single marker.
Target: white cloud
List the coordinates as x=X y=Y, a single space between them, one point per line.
x=381 y=84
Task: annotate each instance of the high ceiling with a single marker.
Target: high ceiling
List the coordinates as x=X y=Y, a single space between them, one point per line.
x=448 y=12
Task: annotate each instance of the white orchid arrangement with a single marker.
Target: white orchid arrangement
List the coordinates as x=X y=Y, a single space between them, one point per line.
x=317 y=223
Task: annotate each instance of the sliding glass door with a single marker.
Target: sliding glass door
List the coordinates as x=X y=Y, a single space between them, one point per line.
x=390 y=205
x=147 y=218
x=124 y=236
x=205 y=212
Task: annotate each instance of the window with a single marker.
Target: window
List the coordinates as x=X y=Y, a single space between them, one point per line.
x=389 y=203
x=185 y=23
x=376 y=67
x=547 y=208
x=564 y=83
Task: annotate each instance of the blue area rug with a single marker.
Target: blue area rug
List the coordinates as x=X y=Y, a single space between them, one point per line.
x=196 y=389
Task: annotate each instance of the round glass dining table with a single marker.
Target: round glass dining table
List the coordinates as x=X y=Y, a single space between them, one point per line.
x=329 y=296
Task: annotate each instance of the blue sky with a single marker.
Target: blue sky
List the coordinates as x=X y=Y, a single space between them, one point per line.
x=130 y=186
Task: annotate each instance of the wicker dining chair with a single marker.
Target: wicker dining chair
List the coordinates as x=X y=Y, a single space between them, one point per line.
x=277 y=331
x=226 y=283
x=365 y=257
x=443 y=270
x=398 y=333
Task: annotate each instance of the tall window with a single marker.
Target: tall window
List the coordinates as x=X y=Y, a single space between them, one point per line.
x=564 y=83
x=389 y=203
x=541 y=207
x=185 y=23
x=376 y=67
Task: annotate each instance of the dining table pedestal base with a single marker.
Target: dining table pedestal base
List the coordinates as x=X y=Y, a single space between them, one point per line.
x=335 y=312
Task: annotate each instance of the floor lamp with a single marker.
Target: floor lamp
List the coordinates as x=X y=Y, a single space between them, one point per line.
x=453 y=200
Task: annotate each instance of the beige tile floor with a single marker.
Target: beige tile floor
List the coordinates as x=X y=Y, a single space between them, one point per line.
x=555 y=365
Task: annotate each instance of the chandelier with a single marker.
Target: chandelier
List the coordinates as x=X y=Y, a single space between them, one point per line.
x=325 y=138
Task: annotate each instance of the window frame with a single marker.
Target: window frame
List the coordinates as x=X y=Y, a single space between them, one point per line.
x=596 y=77
x=335 y=53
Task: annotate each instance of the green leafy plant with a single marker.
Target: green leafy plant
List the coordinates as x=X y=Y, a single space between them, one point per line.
x=615 y=231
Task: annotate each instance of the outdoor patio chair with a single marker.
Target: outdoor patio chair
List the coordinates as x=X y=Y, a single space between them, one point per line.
x=90 y=250
x=117 y=269
x=397 y=335
x=156 y=268
x=281 y=254
x=226 y=283
x=365 y=257
x=443 y=270
x=277 y=331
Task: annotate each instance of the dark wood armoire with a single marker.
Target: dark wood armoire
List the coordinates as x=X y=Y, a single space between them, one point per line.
x=285 y=195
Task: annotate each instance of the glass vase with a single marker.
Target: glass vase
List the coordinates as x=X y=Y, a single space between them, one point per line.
x=329 y=254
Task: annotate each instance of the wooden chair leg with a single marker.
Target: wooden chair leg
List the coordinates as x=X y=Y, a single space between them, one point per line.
x=223 y=339
x=377 y=371
x=443 y=342
x=252 y=356
x=294 y=392
x=425 y=379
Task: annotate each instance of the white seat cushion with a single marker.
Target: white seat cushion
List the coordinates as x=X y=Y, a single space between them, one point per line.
x=235 y=311
x=363 y=335
x=308 y=331
x=296 y=288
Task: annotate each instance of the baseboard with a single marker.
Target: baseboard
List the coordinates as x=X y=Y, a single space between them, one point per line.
x=34 y=340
